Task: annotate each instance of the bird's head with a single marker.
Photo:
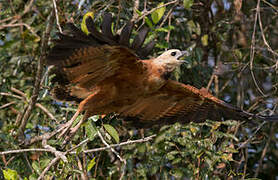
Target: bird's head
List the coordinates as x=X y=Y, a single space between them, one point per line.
x=171 y=59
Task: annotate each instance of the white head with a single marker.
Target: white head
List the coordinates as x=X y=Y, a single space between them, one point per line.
x=170 y=59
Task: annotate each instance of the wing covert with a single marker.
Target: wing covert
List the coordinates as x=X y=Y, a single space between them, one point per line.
x=177 y=102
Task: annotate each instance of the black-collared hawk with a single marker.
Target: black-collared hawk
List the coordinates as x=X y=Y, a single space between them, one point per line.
x=104 y=74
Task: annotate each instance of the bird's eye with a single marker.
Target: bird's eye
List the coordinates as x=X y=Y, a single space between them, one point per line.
x=173 y=53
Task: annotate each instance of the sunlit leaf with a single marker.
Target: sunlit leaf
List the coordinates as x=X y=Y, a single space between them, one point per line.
x=112 y=131
x=44 y=162
x=91 y=164
x=10 y=174
x=91 y=130
x=187 y=4
x=157 y=14
x=148 y=22
x=35 y=166
x=204 y=40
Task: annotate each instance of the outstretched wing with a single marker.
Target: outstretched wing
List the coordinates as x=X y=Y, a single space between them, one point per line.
x=82 y=61
x=177 y=102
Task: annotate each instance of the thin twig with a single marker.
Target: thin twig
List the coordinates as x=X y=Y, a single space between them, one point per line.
x=25 y=150
x=7 y=105
x=11 y=95
x=20 y=24
x=57 y=16
x=49 y=114
x=263 y=36
x=252 y=135
x=152 y=10
x=111 y=148
x=23 y=97
x=71 y=151
x=17 y=91
x=252 y=50
x=53 y=162
x=265 y=150
x=166 y=17
x=121 y=144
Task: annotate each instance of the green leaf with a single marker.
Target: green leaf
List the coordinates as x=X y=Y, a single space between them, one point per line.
x=10 y=174
x=83 y=24
x=91 y=164
x=112 y=131
x=238 y=53
x=44 y=162
x=157 y=14
x=204 y=40
x=36 y=166
x=187 y=4
x=33 y=177
x=91 y=130
x=149 y=22
x=138 y=12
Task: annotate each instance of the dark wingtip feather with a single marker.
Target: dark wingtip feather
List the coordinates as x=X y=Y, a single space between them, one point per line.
x=74 y=31
x=145 y=51
x=102 y=38
x=106 y=25
x=125 y=34
x=140 y=38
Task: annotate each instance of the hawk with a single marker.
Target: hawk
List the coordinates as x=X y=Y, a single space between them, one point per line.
x=105 y=73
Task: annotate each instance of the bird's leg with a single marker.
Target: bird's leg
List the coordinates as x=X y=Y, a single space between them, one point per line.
x=66 y=126
x=76 y=127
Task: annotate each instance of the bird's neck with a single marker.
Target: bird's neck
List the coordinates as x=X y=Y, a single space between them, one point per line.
x=162 y=69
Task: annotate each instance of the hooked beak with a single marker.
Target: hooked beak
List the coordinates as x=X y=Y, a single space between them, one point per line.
x=183 y=53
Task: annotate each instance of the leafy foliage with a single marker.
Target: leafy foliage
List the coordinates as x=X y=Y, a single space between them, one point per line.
x=221 y=37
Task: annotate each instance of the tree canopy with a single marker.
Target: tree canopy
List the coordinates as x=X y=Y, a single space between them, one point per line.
x=234 y=54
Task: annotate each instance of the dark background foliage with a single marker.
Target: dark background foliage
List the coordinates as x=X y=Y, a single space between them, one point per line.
x=234 y=50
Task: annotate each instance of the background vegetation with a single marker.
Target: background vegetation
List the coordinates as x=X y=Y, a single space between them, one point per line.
x=234 y=47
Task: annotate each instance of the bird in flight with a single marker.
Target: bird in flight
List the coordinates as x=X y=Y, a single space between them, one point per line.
x=104 y=73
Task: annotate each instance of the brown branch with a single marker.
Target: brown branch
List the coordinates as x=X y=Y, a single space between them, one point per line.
x=11 y=95
x=36 y=89
x=7 y=105
x=17 y=91
x=49 y=114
